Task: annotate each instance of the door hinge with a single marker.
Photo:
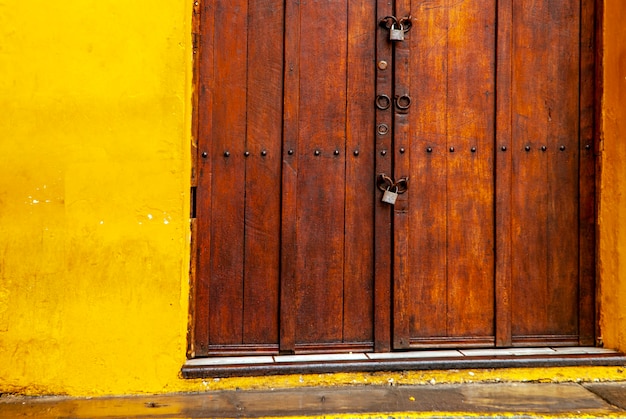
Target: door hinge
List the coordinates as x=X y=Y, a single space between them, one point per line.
x=195 y=41
x=192 y=209
x=195 y=30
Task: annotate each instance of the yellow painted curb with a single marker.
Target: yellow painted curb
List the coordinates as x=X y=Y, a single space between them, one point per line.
x=443 y=415
x=542 y=375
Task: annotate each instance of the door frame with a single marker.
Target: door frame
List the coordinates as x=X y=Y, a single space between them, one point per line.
x=590 y=130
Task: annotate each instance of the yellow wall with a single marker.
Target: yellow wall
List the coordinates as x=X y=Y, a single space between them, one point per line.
x=612 y=216
x=94 y=179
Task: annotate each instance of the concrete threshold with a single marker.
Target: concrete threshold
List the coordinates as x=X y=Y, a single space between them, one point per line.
x=501 y=400
x=401 y=361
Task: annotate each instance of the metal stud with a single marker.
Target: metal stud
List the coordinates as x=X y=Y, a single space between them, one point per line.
x=544 y=148
x=562 y=148
x=356 y=152
x=429 y=149
x=473 y=149
x=527 y=148
x=246 y=153
x=290 y=152
x=264 y=153
x=336 y=152
x=503 y=148
x=451 y=149
x=317 y=152
x=383 y=153
x=588 y=147
x=402 y=150
x=205 y=154
x=227 y=154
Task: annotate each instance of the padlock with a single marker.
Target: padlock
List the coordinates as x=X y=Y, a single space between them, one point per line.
x=396 y=34
x=390 y=197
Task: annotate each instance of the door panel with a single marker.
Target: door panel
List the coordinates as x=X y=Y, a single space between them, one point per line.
x=360 y=177
x=545 y=98
x=239 y=190
x=333 y=209
x=285 y=255
x=449 y=290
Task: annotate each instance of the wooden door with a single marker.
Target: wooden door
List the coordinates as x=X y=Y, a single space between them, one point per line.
x=491 y=244
x=445 y=224
x=285 y=177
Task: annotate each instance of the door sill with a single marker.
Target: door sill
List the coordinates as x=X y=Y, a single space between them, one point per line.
x=401 y=361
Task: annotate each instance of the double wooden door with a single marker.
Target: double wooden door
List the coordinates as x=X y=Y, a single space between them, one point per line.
x=482 y=115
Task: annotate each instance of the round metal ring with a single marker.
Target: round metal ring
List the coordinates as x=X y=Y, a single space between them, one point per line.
x=403 y=102
x=388 y=21
x=384 y=182
x=382 y=129
x=407 y=23
x=383 y=102
x=402 y=185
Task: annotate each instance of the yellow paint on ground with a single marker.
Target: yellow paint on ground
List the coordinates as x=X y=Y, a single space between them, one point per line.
x=443 y=415
x=544 y=375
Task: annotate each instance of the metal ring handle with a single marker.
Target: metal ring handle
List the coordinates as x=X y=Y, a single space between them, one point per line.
x=402 y=185
x=388 y=22
x=403 y=102
x=384 y=182
x=406 y=22
x=383 y=102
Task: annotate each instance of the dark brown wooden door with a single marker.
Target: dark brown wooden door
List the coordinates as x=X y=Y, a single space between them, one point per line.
x=286 y=190
x=491 y=244
x=494 y=239
x=445 y=223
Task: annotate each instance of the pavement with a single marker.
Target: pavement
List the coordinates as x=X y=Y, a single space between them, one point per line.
x=475 y=400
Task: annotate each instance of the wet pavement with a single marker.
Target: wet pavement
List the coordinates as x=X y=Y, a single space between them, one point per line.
x=510 y=400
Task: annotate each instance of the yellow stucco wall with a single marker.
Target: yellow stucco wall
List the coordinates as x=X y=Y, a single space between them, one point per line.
x=94 y=179
x=94 y=175
x=612 y=215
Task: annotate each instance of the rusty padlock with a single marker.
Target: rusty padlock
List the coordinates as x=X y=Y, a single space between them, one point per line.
x=395 y=33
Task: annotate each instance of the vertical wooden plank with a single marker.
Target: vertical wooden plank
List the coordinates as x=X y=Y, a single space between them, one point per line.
x=383 y=163
x=360 y=178
x=503 y=174
x=595 y=146
x=546 y=92
x=289 y=237
x=587 y=192
x=563 y=169
x=263 y=175
x=402 y=168
x=321 y=176
x=229 y=133
x=206 y=85
x=530 y=192
x=429 y=153
x=470 y=130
